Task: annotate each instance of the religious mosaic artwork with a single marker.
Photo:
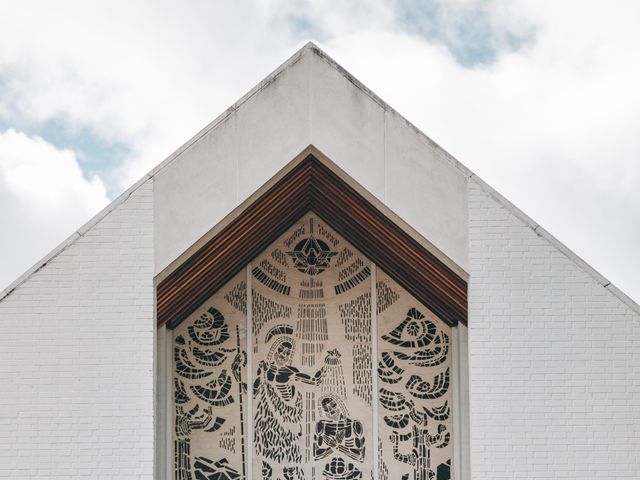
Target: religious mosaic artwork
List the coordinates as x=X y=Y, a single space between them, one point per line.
x=312 y=331
x=209 y=402
x=310 y=394
x=414 y=391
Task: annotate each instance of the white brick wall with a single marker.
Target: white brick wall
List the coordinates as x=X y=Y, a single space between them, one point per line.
x=554 y=357
x=76 y=356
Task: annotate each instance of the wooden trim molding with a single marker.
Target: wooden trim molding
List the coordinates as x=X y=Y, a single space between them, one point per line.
x=312 y=186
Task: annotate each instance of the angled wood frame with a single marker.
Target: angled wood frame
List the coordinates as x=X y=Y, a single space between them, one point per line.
x=312 y=186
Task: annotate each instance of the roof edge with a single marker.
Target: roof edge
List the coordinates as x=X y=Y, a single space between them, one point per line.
x=120 y=199
x=353 y=183
x=309 y=185
x=386 y=107
x=312 y=47
x=292 y=60
x=309 y=47
x=71 y=239
x=566 y=251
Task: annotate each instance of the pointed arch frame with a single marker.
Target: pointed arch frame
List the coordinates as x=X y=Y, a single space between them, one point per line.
x=311 y=185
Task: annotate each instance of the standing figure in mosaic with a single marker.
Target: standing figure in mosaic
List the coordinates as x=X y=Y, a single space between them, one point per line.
x=339 y=436
x=279 y=412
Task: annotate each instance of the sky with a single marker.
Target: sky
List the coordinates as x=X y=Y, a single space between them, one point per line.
x=539 y=98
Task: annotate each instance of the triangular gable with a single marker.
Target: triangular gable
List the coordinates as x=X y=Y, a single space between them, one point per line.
x=312 y=186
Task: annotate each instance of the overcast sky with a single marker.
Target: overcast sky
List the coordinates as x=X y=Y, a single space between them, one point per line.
x=539 y=98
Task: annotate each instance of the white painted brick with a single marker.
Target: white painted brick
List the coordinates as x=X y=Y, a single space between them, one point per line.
x=76 y=355
x=554 y=356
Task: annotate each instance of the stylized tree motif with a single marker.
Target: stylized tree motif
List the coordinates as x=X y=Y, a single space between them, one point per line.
x=416 y=427
x=421 y=442
x=193 y=419
x=196 y=384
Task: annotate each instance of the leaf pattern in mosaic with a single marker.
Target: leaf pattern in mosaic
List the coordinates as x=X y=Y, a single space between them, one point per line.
x=414 y=391
x=208 y=378
x=312 y=379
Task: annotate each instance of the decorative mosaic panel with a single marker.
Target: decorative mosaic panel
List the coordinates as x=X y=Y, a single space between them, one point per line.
x=312 y=325
x=414 y=388
x=312 y=387
x=210 y=403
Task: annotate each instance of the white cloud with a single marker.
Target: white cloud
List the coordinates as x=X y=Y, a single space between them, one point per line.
x=551 y=123
x=44 y=197
x=149 y=77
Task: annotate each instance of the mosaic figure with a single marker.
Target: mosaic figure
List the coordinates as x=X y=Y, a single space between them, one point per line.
x=278 y=415
x=336 y=433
